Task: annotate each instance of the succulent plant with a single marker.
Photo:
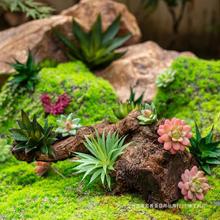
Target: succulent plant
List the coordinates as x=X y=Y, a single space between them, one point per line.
x=95 y=48
x=165 y=78
x=4 y=150
x=31 y=136
x=42 y=168
x=175 y=135
x=55 y=108
x=135 y=101
x=68 y=125
x=26 y=74
x=205 y=150
x=194 y=184
x=104 y=149
x=148 y=114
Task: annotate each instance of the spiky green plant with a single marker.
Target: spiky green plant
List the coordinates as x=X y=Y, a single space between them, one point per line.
x=31 y=136
x=148 y=114
x=165 y=78
x=68 y=125
x=205 y=150
x=135 y=101
x=104 y=149
x=26 y=73
x=32 y=9
x=95 y=48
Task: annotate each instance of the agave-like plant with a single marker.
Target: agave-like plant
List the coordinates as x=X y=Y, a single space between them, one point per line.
x=95 y=48
x=148 y=114
x=31 y=136
x=205 y=150
x=104 y=149
x=26 y=73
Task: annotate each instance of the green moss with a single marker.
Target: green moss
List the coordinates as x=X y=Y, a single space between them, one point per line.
x=195 y=93
x=92 y=98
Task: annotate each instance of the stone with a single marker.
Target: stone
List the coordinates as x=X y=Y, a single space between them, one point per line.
x=87 y=11
x=139 y=68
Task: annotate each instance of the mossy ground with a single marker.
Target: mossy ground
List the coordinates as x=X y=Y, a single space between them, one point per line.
x=23 y=195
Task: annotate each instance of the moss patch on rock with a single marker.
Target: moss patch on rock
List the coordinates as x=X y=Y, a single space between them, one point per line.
x=194 y=94
x=92 y=98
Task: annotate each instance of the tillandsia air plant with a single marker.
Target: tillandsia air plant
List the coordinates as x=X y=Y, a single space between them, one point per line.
x=95 y=48
x=26 y=73
x=194 y=185
x=148 y=114
x=32 y=137
x=175 y=134
x=104 y=149
x=56 y=108
x=131 y=104
x=165 y=78
x=205 y=150
x=68 y=125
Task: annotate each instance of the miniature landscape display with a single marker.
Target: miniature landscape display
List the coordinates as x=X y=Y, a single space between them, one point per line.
x=71 y=148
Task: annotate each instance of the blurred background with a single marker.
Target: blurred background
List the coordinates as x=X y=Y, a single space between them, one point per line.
x=183 y=25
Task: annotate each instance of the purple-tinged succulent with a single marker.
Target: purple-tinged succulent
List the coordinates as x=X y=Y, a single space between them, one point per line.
x=194 y=184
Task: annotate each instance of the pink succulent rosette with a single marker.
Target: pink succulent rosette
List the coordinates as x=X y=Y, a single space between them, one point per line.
x=194 y=184
x=175 y=135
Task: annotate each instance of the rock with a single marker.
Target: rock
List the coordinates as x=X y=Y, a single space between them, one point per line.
x=37 y=35
x=139 y=68
x=87 y=11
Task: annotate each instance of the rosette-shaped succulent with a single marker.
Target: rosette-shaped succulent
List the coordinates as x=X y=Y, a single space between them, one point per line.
x=148 y=114
x=68 y=125
x=165 y=78
x=194 y=184
x=175 y=135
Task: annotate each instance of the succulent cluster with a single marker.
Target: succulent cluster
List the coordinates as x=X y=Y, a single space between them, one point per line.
x=205 y=150
x=68 y=125
x=95 y=48
x=194 y=184
x=148 y=114
x=165 y=78
x=31 y=136
x=56 y=108
x=104 y=149
x=26 y=74
x=132 y=103
x=175 y=135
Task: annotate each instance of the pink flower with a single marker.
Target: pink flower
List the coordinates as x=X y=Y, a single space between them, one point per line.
x=194 y=184
x=175 y=135
x=55 y=108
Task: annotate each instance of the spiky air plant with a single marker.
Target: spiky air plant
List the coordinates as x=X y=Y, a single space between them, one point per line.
x=32 y=137
x=175 y=135
x=95 y=48
x=194 y=184
x=165 y=78
x=26 y=73
x=205 y=150
x=148 y=114
x=131 y=104
x=104 y=149
x=68 y=125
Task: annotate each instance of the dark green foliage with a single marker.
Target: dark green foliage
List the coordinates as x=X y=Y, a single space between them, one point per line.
x=31 y=8
x=205 y=150
x=31 y=136
x=95 y=48
x=26 y=74
x=132 y=99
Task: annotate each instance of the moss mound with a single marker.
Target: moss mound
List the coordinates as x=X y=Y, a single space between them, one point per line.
x=92 y=98
x=194 y=94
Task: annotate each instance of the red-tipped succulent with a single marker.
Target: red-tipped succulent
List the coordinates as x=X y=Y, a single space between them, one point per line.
x=55 y=108
x=194 y=184
x=175 y=135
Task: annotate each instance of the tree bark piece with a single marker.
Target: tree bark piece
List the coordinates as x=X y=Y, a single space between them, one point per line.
x=145 y=167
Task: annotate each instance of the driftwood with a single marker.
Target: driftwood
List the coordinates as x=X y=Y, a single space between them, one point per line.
x=145 y=167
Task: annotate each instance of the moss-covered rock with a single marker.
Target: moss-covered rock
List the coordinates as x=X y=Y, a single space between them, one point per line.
x=92 y=98
x=194 y=94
